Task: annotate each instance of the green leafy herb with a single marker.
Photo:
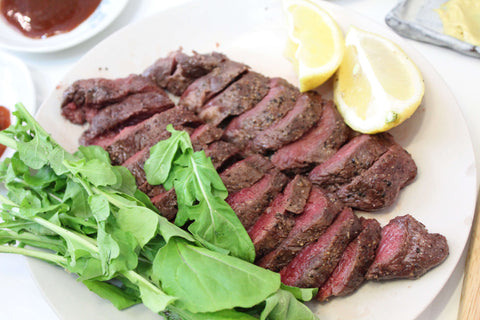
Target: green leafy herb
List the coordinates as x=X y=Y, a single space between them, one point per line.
x=87 y=216
x=200 y=194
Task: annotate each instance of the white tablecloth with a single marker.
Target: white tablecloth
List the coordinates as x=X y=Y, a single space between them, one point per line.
x=20 y=298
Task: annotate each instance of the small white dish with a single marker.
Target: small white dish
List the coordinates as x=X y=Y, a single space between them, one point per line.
x=106 y=12
x=16 y=85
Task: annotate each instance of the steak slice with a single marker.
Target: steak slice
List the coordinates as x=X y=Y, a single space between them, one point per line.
x=407 y=250
x=146 y=133
x=204 y=135
x=166 y=203
x=276 y=222
x=296 y=123
x=280 y=99
x=317 y=145
x=296 y=194
x=319 y=213
x=245 y=173
x=240 y=96
x=350 y=160
x=249 y=203
x=207 y=86
x=350 y=272
x=135 y=165
x=316 y=262
x=132 y=110
x=220 y=152
x=178 y=70
x=379 y=186
x=83 y=98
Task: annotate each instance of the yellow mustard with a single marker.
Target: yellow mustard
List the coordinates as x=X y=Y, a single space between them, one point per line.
x=461 y=19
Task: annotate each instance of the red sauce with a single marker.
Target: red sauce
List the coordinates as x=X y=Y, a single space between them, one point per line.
x=4 y=124
x=45 y=18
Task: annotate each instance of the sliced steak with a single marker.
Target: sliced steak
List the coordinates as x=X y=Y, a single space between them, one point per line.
x=272 y=227
x=146 y=133
x=316 y=262
x=317 y=145
x=150 y=190
x=296 y=123
x=319 y=213
x=245 y=173
x=350 y=272
x=240 y=96
x=178 y=70
x=135 y=165
x=166 y=203
x=296 y=194
x=350 y=160
x=407 y=250
x=220 y=152
x=280 y=99
x=206 y=87
x=132 y=110
x=276 y=222
x=83 y=98
x=204 y=135
x=249 y=203
x=379 y=186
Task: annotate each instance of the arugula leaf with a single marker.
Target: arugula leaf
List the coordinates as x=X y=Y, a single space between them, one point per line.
x=283 y=305
x=118 y=297
x=174 y=313
x=233 y=283
x=200 y=195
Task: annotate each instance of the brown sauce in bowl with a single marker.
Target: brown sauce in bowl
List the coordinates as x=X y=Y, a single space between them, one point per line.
x=45 y=18
x=4 y=124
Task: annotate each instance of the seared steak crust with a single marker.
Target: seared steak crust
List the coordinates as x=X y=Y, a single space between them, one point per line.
x=317 y=145
x=178 y=70
x=249 y=203
x=351 y=160
x=204 y=135
x=280 y=99
x=166 y=203
x=245 y=173
x=240 y=96
x=319 y=213
x=206 y=87
x=316 y=262
x=350 y=272
x=296 y=123
x=148 y=132
x=83 y=98
x=407 y=250
x=132 y=110
x=276 y=222
x=379 y=186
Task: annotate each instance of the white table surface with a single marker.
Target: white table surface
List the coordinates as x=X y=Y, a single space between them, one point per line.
x=20 y=298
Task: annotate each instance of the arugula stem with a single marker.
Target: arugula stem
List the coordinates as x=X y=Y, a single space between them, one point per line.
x=5 y=200
x=46 y=256
x=25 y=236
x=7 y=141
x=142 y=282
x=67 y=234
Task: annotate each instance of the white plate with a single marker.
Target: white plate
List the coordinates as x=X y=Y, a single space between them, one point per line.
x=106 y=12
x=16 y=85
x=442 y=197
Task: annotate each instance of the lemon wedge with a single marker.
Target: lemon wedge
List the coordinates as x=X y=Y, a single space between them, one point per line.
x=377 y=86
x=315 y=44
